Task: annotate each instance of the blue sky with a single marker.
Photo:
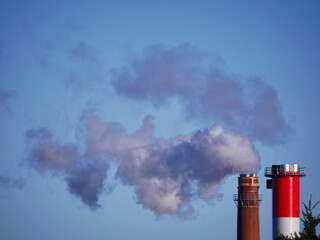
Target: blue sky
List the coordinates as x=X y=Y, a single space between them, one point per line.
x=78 y=78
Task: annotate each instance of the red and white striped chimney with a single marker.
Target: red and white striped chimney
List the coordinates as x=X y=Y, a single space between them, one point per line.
x=285 y=184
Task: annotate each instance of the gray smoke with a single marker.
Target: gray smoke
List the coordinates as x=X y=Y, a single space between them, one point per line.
x=87 y=182
x=5 y=95
x=84 y=176
x=250 y=106
x=8 y=182
x=166 y=174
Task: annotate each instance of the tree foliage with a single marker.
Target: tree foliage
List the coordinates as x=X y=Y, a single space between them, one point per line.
x=310 y=223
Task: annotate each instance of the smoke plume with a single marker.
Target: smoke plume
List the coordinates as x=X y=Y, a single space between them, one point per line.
x=7 y=182
x=166 y=174
x=84 y=176
x=249 y=106
x=5 y=95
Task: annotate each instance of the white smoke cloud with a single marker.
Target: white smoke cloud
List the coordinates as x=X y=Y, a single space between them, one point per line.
x=163 y=172
x=249 y=106
x=110 y=138
x=166 y=174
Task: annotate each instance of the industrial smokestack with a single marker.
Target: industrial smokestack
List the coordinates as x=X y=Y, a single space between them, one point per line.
x=285 y=184
x=248 y=201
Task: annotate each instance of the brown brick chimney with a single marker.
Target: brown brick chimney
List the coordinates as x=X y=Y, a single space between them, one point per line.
x=248 y=201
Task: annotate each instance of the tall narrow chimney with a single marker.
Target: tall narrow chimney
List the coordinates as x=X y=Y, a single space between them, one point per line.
x=248 y=201
x=285 y=184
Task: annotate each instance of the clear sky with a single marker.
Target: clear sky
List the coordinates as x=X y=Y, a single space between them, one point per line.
x=132 y=119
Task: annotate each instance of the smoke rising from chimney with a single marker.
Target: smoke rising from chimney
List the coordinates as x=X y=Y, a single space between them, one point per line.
x=165 y=174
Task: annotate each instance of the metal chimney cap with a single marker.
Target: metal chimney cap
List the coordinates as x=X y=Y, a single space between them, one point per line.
x=248 y=175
